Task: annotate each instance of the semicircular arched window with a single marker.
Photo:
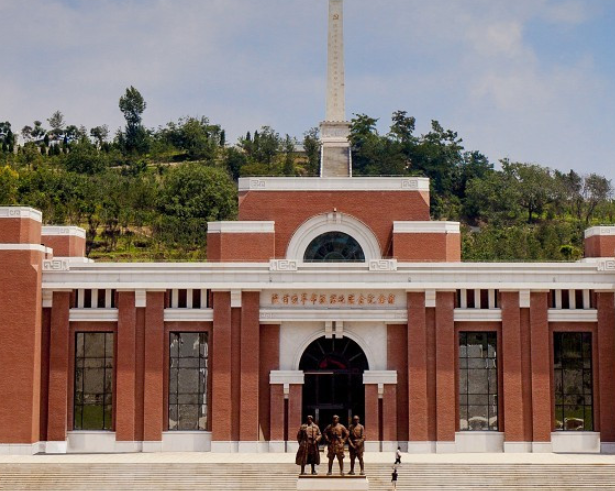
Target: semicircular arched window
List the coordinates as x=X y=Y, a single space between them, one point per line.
x=334 y=247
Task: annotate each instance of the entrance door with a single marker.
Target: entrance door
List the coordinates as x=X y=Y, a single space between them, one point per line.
x=333 y=371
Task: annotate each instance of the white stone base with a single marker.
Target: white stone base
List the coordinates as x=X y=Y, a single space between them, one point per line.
x=128 y=447
x=56 y=447
x=542 y=447
x=252 y=447
x=372 y=446
x=575 y=442
x=389 y=446
x=22 y=448
x=421 y=447
x=223 y=447
x=186 y=441
x=89 y=442
x=446 y=447
x=277 y=447
x=292 y=447
x=518 y=447
x=479 y=442
x=153 y=447
x=607 y=448
x=332 y=483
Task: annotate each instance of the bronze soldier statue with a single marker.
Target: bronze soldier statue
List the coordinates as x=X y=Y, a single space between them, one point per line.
x=308 y=437
x=356 y=444
x=336 y=435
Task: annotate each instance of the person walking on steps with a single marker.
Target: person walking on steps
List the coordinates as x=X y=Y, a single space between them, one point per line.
x=398 y=456
x=394 y=478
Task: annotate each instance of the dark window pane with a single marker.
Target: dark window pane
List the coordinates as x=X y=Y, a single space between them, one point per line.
x=188 y=381
x=573 y=381
x=334 y=247
x=478 y=384
x=93 y=391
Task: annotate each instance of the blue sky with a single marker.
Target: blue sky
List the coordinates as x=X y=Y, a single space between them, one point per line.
x=529 y=80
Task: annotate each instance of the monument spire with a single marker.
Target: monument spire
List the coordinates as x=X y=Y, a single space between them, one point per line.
x=335 y=67
x=335 y=130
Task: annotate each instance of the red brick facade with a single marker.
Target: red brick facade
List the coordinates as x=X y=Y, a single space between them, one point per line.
x=414 y=316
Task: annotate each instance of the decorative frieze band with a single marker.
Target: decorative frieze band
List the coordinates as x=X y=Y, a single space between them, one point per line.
x=383 y=265
x=334 y=184
x=56 y=265
x=283 y=265
x=64 y=231
x=599 y=231
x=21 y=212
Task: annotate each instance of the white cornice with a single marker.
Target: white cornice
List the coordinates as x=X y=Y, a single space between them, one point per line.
x=21 y=212
x=334 y=184
x=93 y=315
x=599 y=231
x=286 y=377
x=380 y=377
x=24 y=247
x=407 y=277
x=426 y=227
x=241 y=227
x=188 y=315
x=478 y=315
x=578 y=315
x=70 y=231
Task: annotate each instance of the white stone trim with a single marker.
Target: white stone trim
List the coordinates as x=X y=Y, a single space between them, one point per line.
x=578 y=315
x=426 y=228
x=380 y=377
x=575 y=441
x=607 y=448
x=140 y=298
x=22 y=448
x=333 y=222
x=93 y=315
x=478 y=315
x=241 y=227
x=188 y=315
x=185 y=441
x=223 y=447
x=276 y=316
x=333 y=184
x=277 y=447
x=235 y=299
x=56 y=447
x=599 y=231
x=24 y=247
x=430 y=299
x=525 y=298
x=446 y=447
x=69 y=231
x=421 y=447
x=479 y=442
x=47 y=299
x=21 y=212
x=517 y=447
x=369 y=353
x=542 y=447
x=286 y=378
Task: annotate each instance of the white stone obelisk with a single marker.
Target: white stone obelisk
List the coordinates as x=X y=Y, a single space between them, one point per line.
x=335 y=130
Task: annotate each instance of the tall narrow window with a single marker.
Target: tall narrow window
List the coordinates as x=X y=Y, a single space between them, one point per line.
x=93 y=381
x=188 y=381
x=478 y=381
x=573 y=381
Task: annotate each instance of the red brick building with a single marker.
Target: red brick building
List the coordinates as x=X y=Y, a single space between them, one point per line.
x=328 y=296
x=331 y=295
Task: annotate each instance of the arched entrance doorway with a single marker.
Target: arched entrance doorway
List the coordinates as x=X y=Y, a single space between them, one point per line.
x=333 y=371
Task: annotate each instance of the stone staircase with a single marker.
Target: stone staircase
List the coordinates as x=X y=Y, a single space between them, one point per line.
x=282 y=477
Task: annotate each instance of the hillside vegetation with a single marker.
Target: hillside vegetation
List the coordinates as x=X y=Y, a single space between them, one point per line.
x=147 y=194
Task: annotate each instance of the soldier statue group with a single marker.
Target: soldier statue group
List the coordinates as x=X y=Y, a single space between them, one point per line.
x=336 y=435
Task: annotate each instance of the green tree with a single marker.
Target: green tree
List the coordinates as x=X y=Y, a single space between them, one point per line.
x=312 y=148
x=135 y=137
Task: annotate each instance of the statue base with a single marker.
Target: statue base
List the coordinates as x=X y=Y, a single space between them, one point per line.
x=332 y=483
